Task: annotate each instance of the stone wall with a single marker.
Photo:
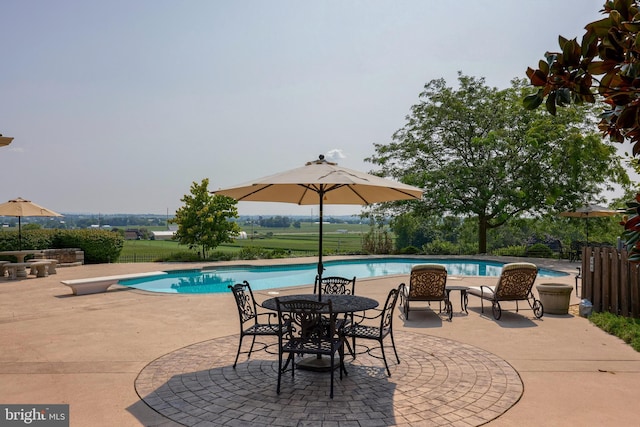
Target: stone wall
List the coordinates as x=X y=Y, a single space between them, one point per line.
x=67 y=256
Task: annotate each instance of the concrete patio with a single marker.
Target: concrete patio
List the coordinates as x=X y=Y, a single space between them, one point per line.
x=97 y=352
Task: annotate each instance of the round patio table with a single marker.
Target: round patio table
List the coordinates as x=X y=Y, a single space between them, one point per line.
x=339 y=304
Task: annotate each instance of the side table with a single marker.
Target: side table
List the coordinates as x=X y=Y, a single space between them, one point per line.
x=464 y=299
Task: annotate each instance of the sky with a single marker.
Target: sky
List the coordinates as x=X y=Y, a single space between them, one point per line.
x=119 y=106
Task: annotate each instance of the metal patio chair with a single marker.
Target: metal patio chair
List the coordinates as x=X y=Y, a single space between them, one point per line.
x=308 y=328
x=365 y=327
x=249 y=315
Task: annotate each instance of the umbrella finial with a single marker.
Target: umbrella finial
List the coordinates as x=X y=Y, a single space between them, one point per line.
x=321 y=160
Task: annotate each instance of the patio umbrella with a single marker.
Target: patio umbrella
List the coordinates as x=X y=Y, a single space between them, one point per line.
x=589 y=211
x=20 y=207
x=321 y=182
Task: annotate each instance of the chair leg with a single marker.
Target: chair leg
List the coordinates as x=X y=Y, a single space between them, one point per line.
x=342 y=367
x=279 y=371
x=393 y=344
x=384 y=358
x=353 y=340
x=333 y=356
x=238 y=353
x=253 y=341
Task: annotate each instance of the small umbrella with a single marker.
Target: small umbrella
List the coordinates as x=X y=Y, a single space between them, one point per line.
x=20 y=207
x=321 y=182
x=589 y=211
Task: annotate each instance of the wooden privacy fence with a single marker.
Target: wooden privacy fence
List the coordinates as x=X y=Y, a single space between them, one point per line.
x=610 y=281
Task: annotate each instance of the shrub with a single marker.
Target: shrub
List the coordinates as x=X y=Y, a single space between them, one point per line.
x=539 y=250
x=99 y=246
x=409 y=250
x=221 y=256
x=440 y=247
x=184 y=256
x=252 y=252
x=511 y=251
x=31 y=239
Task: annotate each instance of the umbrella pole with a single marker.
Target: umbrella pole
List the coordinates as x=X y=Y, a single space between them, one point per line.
x=320 y=266
x=587 y=227
x=19 y=234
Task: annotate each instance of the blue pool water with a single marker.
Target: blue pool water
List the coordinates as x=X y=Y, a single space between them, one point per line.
x=269 y=277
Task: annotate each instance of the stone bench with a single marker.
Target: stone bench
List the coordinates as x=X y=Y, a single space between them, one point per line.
x=51 y=267
x=3 y=270
x=19 y=269
x=40 y=268
x=93 y=285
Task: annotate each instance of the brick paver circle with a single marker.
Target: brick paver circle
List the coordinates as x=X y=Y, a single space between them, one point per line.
x=438 y=382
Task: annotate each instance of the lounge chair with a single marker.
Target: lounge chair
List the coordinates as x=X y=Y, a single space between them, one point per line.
x=428 y=282
x=514 y=284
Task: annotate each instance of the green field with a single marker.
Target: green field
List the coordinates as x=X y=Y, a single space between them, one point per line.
x=338 y=239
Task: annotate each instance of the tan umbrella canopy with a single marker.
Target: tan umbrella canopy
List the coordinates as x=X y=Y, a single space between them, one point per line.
x=321 y=182
x=5 y=140
x=589 y=211
x=20 y=207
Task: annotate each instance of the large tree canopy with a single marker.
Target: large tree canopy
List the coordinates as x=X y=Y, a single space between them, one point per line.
x=475 y=151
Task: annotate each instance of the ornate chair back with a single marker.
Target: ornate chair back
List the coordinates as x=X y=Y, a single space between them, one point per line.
x=335 y=285
x=246 y=303
x=516 y=281
x=427 y=282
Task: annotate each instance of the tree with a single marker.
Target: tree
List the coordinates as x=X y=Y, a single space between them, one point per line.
x=476 y=151
x=204 y=219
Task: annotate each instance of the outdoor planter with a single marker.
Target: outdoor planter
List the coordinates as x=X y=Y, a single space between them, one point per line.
x=555 y=297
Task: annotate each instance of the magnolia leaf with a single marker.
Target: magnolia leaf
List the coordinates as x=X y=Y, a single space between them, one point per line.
x=616 y=18
x=634 y=257
x=543 y=66
x=563 y=97
x=571 y=53
x=551 y=103
x=531 y=102
x=631 y=26
x=600 y=67
x=600 y=28
x=589 y=44
x=537 y=77
x=632 y=223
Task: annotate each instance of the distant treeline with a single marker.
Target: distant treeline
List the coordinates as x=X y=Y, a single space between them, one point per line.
x=286 y=221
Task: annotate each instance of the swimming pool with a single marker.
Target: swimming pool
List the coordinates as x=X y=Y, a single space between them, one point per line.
x=216 y=280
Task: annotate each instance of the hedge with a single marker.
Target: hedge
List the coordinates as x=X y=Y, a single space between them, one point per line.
x=99 y=246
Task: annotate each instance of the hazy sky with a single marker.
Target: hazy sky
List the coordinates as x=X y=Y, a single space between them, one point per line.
x=118 y=106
